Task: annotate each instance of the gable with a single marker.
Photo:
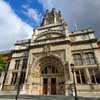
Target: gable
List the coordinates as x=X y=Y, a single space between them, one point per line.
x=49 y=35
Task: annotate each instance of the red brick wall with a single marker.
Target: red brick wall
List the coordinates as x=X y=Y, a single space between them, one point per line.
x=99 y=45
x=6 y=57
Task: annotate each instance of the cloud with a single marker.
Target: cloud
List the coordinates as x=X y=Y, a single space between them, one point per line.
x=12 y=28
x=32 y=13
x=85 y=13
x=25 y=6
x=47 y=4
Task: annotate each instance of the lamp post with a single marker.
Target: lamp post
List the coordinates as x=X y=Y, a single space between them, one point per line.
x=73 y=71
x=18 y=85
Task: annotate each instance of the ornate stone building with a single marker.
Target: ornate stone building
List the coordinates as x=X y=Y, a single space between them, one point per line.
x=98 y=42
x=42 y=64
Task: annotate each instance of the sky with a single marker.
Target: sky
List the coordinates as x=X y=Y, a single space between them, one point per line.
x=18 y=18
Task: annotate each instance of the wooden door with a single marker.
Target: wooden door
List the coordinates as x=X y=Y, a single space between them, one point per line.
x=45 y=86
x=53 y=86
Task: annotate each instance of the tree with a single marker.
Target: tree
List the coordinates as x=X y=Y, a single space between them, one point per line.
x=3 y=69
x=2 y=64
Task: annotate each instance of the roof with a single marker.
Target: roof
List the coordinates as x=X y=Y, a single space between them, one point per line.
x=5 y=52
x=81 y=32
x=25 y=41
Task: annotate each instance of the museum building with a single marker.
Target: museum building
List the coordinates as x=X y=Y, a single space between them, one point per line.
x=43 y=64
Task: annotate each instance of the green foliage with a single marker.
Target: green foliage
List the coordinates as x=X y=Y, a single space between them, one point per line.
x=2 y=64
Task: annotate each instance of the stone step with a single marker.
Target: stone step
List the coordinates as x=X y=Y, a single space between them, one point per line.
x=31 y=97
x=7 y=93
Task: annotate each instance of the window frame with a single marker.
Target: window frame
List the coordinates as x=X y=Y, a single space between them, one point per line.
x=14 y=78
x=17 y=64
x=79 y=76
x=90 y=58
x=78 y=61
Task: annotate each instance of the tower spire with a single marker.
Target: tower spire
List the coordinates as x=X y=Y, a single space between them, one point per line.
x=52 y=17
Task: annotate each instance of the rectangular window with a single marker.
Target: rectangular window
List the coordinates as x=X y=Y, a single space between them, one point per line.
x=95 y=75
x=77 y=59
x=90 y=58
x=80 y=76
x=22 y=77
x=14 y=78
x=24 y=66
x=17 y=63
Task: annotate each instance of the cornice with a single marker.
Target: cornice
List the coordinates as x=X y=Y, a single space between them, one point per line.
x=49 y=26
x=84 y=42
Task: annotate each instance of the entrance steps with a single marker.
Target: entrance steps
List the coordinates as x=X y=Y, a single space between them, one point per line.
x=7 y=93
x=31 y=97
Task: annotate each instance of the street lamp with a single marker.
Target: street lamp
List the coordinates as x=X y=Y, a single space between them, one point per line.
x=73 y=71
x=18 y=85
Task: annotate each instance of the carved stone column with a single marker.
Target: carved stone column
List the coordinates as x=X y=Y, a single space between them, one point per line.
x=1 y=79
x=49 y=86
x=55 y=19
x=88 y=78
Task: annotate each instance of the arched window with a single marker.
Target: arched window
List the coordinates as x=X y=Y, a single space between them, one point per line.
x=49 y=69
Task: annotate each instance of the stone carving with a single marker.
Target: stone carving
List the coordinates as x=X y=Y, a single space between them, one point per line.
x=46 y=50
x=35 y=67
x=60 y=54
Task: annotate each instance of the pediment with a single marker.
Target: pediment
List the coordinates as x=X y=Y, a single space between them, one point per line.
x=49 y=35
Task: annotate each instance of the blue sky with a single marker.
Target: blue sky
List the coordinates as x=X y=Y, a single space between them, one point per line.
x=19 y=17
x=21 y=7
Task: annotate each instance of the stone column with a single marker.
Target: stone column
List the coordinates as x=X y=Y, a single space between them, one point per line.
x=55 y=19
x=69 y=60
x=29 y=66
x=49 y=86
x=75 y=78
x=19 y=76
x=19 y=70
x=88 y=78
x=41 y=85
x=1 y=79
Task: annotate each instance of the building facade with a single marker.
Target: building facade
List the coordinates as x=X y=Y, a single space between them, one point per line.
x=6 y=56
x=98 y=42
x=42 y=64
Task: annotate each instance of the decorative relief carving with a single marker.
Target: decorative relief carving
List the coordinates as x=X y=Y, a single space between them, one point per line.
x=34 y=73
x=35 y=67
x=60 y=54
x=73 y=38
x=48 y=36
x=46 y=50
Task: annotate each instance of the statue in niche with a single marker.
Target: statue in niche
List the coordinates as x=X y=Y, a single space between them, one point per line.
x=46 y=49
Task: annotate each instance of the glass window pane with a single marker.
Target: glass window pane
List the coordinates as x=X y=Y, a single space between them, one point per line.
x=90 y=58
x=77 y=59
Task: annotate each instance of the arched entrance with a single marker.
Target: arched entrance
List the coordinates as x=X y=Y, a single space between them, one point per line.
x=52 y=75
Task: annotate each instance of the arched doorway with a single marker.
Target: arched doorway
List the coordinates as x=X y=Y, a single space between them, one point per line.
x=52 y=75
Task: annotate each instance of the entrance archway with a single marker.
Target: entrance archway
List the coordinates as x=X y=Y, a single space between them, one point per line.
x=52 y=75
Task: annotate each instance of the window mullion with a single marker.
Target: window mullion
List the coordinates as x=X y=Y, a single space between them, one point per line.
x=80 y=76
x=94 y=76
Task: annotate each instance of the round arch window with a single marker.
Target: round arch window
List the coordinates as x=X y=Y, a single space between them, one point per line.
x=49 y=69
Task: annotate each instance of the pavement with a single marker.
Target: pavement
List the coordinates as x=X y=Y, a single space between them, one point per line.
x=30 y=97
